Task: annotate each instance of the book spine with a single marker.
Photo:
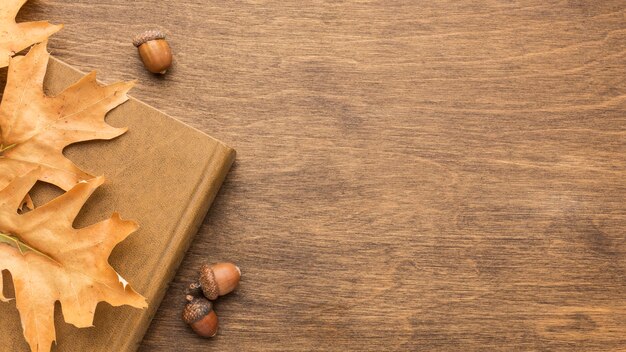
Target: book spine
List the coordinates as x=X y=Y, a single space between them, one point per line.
x=215 y=172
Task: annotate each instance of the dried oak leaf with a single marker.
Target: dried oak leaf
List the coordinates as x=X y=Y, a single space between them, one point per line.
x=34 y=127
x=51 y=261
x=15 y=37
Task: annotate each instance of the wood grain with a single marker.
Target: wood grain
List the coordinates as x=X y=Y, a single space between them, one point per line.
x=411 y=175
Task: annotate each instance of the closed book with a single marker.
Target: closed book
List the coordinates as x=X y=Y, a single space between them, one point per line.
x=161 y=173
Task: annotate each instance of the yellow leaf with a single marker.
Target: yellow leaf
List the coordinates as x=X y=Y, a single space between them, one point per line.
x=51 y=261
x=15 y=37
x=34 y=127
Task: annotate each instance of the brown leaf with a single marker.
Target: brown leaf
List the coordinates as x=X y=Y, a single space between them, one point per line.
x=35 y=127
x=15 y=37
x=51 y=261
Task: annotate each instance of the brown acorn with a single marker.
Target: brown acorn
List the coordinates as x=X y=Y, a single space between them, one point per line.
x=155 y=52
x=218 y=279
x=199 y=314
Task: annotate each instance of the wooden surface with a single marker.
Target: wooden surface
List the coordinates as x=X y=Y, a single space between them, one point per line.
x=411 y=175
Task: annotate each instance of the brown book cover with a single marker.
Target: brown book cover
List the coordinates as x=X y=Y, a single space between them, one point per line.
x=162 y=174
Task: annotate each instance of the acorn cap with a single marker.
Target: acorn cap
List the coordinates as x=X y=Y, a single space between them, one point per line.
x=208 y=283
x=148 y=36
x=196 y=309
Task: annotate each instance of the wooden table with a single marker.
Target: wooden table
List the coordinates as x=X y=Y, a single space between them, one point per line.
x=411 y=175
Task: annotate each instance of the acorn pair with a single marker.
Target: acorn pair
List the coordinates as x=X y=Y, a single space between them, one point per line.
x=214 y=280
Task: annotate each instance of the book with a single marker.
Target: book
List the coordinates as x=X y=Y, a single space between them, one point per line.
x=162 y=174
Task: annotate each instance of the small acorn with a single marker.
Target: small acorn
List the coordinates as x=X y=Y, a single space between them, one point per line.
x=199 y=314
x=218 y=279
x=155 y=52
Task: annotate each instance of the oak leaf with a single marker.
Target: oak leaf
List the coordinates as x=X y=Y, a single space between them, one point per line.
x=15 y=37
x=34 y=127
x=51 y=261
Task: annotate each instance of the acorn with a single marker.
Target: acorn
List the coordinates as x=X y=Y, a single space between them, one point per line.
x=199 y=314
x=218 y=279
x=155 y=52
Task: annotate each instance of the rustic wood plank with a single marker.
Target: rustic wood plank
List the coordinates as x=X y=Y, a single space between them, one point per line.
x=433 y=175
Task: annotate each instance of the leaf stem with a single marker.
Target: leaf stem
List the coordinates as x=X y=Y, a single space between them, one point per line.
x=21 y=246
x=4 y=149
